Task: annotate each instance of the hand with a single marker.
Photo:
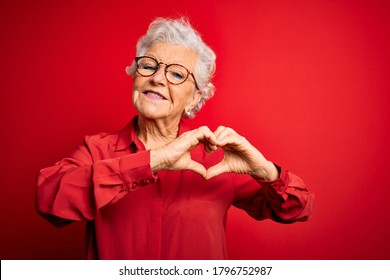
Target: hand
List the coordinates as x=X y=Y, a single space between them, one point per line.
x=241 y=157
x=176 y=154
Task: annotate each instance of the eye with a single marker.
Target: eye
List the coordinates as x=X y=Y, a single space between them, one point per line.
x=177 y=75
x=148 y=66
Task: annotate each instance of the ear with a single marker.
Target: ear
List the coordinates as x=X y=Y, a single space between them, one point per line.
x=128 y=70
x=194 y=100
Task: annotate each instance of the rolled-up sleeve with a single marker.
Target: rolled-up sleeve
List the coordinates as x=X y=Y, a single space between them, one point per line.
x=76 y=187
x=287 y=199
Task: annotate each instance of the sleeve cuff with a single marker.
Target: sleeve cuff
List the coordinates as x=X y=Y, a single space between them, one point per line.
x=135 y=171
x=279 y=185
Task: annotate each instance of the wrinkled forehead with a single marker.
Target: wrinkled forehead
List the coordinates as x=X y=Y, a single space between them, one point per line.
x=172 y=53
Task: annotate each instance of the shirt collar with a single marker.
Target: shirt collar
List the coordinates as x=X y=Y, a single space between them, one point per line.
x=127 y=136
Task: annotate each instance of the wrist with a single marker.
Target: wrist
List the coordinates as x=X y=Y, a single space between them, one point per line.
x=156 y=160
x=269 y=173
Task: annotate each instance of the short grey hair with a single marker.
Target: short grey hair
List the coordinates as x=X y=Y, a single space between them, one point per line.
x=180 y=32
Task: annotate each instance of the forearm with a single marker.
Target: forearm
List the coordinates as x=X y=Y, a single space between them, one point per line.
x=285 y=200
x=75 y=189
x=289 y=198
x=65 y=192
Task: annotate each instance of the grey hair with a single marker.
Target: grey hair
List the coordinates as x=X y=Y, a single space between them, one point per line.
x=180 y=32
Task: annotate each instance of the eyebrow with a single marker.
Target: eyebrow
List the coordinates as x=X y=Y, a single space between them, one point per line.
x=159 y=60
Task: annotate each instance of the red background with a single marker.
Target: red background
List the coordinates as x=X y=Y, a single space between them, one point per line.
x=305 y=81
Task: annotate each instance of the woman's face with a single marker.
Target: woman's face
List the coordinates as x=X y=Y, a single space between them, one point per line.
x=154 y=97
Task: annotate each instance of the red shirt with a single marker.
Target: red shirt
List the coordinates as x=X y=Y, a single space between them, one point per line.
x=132 y=213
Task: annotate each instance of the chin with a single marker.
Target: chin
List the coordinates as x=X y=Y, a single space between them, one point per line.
x=151 y=114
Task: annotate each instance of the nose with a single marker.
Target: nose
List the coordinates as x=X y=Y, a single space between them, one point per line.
x=159 y=76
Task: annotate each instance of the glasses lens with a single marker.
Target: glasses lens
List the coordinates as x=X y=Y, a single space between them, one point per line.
x=176 y=74
x=147 y=66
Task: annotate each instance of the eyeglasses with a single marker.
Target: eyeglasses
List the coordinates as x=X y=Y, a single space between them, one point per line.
x=174 y=73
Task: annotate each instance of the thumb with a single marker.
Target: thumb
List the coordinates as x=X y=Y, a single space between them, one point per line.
x=197 y=168
x=216 y=170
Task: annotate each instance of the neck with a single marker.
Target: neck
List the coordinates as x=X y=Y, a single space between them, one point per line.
x=155 y=133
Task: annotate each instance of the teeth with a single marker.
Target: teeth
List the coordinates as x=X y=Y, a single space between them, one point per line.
x=154 y=94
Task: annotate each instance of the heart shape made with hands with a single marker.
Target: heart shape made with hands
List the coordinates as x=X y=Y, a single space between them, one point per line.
x=214 y=170
x=239 y=155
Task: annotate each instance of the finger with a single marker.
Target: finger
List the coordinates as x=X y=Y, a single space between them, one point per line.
x=191 y=139
x=216 y=170
x=207 y=137
x=194 y=137
x=221 y=133
x=224 y=132
x=229 y=138
x=197 y=168
x=201 y=130
x=218 y=130
x=210 y=147
x=205 y=134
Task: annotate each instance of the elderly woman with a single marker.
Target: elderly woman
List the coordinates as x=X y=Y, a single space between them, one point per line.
x=157 y=189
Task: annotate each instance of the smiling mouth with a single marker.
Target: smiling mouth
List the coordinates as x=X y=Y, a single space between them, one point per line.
x=154 y=95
